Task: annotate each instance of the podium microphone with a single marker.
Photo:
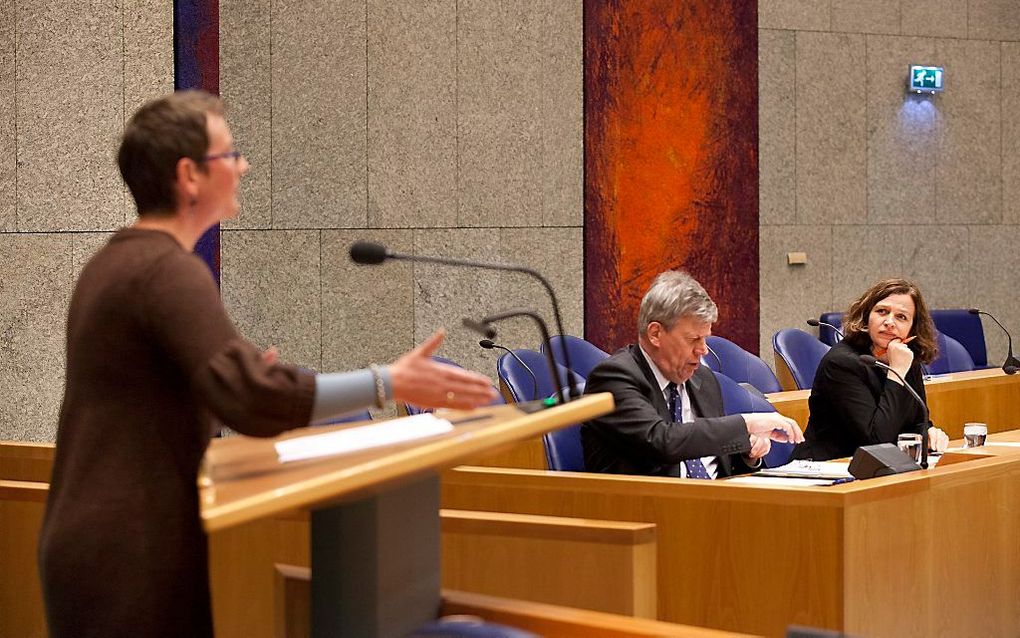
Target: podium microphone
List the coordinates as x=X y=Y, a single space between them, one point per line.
x=1011 y=364
x=815 y=323
x=371 y=253
x=484 y=327
x=872 y=361
x=489 y=344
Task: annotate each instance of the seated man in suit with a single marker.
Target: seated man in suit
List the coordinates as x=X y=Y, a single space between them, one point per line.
x=669 y=411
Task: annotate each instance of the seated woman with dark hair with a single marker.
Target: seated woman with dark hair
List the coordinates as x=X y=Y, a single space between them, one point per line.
x=853 y=403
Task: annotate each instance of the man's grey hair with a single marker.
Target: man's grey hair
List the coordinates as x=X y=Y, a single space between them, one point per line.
x=675 y=294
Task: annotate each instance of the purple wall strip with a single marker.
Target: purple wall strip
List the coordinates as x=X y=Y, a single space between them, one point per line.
x=197 y=66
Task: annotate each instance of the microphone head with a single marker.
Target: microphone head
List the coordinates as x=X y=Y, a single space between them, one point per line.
x=368 y=252
x=813 y=322
x=868 y=359
x=487 y=344
x=974 y=311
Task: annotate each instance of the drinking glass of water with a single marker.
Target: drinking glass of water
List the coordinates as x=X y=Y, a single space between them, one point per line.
x=974 y=434
x=910 y=444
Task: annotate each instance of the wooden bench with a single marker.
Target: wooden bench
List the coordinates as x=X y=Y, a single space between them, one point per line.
x=292 y=601
x=599 y=565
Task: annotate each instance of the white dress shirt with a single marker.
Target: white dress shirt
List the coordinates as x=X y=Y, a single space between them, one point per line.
x=686 y=414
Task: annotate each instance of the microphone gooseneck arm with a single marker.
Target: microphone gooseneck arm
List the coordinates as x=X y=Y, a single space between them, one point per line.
x=717 y=359
x=490 y=332
x=1011 y=361
x=372 y=253
x=489 y=344
x=870 y=360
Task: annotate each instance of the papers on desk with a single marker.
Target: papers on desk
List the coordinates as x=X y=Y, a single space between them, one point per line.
x=365 y=437
x=777 y=481
x=827 y=470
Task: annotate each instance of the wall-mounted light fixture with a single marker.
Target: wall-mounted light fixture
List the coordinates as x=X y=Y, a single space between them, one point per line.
x=926 y=79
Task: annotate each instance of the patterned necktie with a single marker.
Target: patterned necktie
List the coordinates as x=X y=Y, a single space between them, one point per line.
x=695 y=468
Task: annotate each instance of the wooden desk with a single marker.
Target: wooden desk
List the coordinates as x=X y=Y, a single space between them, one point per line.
x=933 y=553
x=378 y=550
x=986 y=396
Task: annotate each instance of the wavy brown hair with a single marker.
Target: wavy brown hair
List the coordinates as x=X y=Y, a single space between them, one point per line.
x=855 y=322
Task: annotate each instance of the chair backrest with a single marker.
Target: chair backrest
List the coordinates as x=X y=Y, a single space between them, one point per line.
x=826 y=334
x=965 y=328
x=584 y=355
x=563 y=449
x=740 y=365
x=952 y=357
x=797 y=357
x=522 y=386
x=737 y=400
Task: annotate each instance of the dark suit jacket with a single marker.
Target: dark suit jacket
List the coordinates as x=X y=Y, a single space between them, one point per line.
x=854 y=404
x=640 y=437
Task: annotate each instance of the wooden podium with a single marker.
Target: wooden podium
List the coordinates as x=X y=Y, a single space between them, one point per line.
x=375 y=513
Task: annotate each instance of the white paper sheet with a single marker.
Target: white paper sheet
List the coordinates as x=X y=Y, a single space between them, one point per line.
x=810 y=469
x=778 y=481
x=365 y=437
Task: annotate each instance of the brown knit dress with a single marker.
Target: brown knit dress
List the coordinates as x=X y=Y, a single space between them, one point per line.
x=153 y=364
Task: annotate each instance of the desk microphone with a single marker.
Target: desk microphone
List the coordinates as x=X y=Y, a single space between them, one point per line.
x=816 y=323
x=1011 y=364
x=371 y=253
x=489 y=344
x=872 y=361
x=484 y=327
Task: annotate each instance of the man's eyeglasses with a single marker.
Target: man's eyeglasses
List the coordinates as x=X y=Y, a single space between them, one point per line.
x=234 y=155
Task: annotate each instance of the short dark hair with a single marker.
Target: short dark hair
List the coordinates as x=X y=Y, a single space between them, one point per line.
x=156 y=137
x=855 y=323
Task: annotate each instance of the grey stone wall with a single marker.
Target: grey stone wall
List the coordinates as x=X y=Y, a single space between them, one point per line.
x=441 y=127
x=872 y=182
x=68 y=76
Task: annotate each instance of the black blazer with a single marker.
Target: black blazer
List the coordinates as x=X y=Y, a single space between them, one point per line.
x=854 y=404
x=640 y=437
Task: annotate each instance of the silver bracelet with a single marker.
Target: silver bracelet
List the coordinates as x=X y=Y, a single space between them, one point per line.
x=380 y=387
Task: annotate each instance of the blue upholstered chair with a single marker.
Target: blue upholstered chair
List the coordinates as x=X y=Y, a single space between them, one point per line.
x=797 y=357
x=737 y=400
x=519 y=381
x=584 y=355
x=827 y=335
x=563 y=449
x=740 y=365
x=952 y=357
x=965 y=328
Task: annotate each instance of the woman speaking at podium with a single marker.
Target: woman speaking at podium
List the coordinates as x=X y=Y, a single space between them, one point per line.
x=853 y=403
x=153 y=366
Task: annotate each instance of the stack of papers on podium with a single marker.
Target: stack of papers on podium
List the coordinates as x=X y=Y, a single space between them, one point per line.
x=831 y=470
x=364 y=437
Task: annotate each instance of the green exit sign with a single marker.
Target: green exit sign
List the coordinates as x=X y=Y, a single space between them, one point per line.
x=926 y=79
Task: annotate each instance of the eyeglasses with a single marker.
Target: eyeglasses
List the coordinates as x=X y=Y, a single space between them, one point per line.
x=234 y=155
